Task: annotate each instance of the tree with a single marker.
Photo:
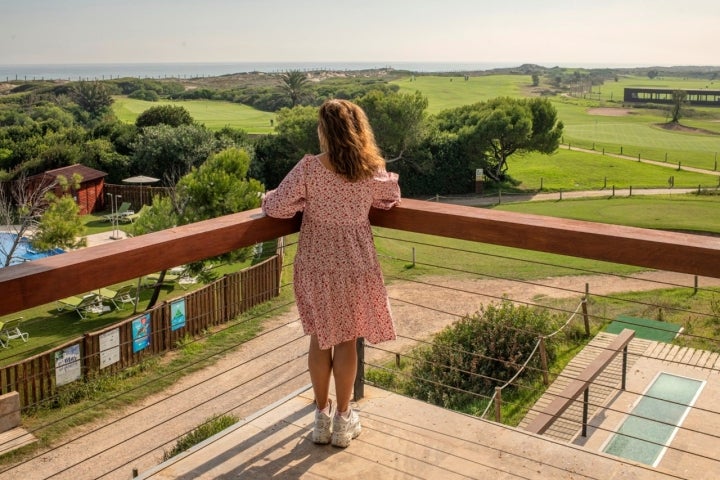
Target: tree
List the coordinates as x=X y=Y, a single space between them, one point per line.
x=652 y=74
x=679 y=97
x=169 y=152
x=27 y=207
x=220 y=186
x=397 y=119
x=93 y=97
x=295 y=85
x=60 y=226
x=493 y=131
x=535 y=79
x=173 y=115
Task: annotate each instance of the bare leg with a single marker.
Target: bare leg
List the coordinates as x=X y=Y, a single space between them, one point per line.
x=320 y=366
x=344 y=367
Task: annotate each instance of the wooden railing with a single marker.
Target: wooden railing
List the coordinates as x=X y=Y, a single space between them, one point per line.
x=581 y=385
x=46 y=280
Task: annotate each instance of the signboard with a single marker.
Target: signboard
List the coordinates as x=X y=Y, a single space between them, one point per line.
x=177 y=314
x=141 y=333
x=67 y=365
x=479 y=174
x=109 y=348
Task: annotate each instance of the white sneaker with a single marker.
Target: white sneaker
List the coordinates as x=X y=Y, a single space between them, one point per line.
x=345 y=429
x=322 y=429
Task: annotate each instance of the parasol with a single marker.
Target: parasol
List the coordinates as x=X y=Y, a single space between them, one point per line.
x=141 y=179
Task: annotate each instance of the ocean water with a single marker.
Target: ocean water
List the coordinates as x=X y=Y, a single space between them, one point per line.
x=106 y=71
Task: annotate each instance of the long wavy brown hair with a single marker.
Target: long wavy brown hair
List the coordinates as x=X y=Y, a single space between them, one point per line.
x=345 y=134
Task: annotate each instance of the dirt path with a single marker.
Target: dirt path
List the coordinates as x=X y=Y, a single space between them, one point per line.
x=137 y=436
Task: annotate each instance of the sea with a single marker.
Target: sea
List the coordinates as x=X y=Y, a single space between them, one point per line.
x=109 y=71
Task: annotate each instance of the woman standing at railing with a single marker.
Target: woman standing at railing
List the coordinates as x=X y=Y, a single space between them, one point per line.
x=339 y=286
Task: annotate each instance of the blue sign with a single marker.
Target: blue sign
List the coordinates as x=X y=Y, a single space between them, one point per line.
x=141 y=333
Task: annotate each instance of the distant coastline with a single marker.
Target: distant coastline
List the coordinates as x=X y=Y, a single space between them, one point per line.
x=107 y=71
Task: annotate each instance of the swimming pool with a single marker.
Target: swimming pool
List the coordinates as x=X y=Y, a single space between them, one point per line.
x=655 y=419
x=23 y=252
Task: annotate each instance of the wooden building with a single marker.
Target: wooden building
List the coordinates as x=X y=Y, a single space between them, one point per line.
x=89 y=195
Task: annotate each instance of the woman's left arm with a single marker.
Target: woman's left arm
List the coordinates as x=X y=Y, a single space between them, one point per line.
x=386 y=192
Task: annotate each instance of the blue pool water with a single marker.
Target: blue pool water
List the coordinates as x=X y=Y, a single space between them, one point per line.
x=653 y=422
x=23 y=252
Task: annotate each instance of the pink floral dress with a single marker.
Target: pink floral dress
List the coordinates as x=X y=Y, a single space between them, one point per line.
x=339 y=286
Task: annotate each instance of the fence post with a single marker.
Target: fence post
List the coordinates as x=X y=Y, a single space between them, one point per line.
x=561 y=194
x=499 y=195
x=624 y=367
x=613 y=194
x=413 y=253
x=630 y=191
x=498 y=404
x=543 y=361
x=359 y=387
x=696 y=285
x=586 y=317
x=586 y=400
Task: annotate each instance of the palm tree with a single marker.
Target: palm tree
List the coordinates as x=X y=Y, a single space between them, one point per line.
x=294 y=84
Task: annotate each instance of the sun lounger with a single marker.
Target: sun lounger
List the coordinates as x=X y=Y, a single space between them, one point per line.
x=91 y=303
x=118 y=297
x=122 y=214
x=12 y=330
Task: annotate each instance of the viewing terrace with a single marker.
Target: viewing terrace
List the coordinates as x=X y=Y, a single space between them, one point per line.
x=265 y=384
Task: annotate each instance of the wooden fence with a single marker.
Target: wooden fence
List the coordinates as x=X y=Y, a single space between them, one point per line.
x=116 y=347
x=137 y=195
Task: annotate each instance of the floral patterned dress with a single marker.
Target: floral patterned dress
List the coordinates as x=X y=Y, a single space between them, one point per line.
x=339 y=286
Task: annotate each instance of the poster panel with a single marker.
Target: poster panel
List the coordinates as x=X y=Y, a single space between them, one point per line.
x=141 y=333
x=177 y=314
x=109 y=348
x=67 y=365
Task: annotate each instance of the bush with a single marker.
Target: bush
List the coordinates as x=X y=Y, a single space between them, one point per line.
x=479 y=352
x=147 y=95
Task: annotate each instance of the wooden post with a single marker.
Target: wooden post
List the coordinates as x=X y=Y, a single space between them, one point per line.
x=543 y=361
x=695 y=290
x=359 y=387
x=586 y=317
x=498 y=404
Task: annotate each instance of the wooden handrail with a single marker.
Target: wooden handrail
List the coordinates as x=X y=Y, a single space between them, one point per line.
x=42 y=281
x=578 y=385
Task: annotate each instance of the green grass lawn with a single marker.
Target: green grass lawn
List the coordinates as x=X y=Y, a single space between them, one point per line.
x=573 y=170
x=211 y=113
x=690 y=213
x=451 y=92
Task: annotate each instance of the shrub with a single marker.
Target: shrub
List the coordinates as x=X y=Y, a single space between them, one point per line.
x=479 y=352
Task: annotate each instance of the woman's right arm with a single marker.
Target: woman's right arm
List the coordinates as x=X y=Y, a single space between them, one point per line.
x=289 y=197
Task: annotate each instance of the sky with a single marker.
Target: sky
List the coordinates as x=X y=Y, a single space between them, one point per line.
x=548 y=32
